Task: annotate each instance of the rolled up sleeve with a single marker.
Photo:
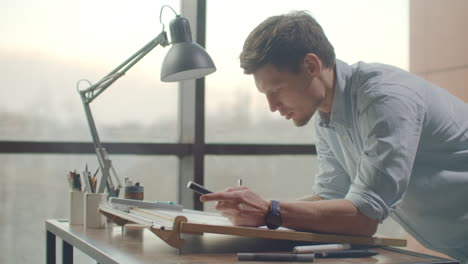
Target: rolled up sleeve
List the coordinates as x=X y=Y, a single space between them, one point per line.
x=391 y=128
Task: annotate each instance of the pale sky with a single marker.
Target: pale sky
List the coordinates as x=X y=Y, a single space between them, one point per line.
x=89 y=38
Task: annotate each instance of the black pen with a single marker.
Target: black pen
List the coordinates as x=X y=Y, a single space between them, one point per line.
x=346 y=254
x=275 y=257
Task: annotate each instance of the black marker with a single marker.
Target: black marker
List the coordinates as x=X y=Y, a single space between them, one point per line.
x=197 y=188
x=346 y=254
x=275 y=257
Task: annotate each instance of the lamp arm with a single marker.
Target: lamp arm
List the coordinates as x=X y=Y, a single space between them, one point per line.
x=96 y=89
x=89 y=94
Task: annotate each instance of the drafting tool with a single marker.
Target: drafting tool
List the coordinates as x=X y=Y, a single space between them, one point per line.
x=145 y=204
x=321 y=248
x=170 y=224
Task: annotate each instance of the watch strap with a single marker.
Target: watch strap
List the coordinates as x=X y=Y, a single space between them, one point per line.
x=274 y=206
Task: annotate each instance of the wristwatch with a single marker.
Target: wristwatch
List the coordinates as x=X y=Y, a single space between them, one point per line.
x=273 y=219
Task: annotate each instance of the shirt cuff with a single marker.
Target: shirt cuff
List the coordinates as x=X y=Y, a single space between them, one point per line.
x=368 y=202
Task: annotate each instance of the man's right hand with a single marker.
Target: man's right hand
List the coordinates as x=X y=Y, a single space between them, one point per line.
x=240 y=205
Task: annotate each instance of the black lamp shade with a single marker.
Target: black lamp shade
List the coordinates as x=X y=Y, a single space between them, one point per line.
x=185 y=60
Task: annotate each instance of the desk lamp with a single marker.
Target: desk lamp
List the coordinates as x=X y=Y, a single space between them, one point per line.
x=186 y=60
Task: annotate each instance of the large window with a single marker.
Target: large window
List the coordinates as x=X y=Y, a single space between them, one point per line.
x=47 y=46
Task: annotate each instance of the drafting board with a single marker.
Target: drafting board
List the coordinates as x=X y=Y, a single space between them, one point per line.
x=168 y=225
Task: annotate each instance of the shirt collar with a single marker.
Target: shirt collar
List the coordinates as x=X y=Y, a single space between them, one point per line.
x=341 y=99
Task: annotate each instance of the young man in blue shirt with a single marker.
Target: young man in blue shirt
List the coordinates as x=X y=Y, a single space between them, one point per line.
x=389 y=142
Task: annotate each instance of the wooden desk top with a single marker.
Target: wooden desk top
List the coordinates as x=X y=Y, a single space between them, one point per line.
x=129 y=245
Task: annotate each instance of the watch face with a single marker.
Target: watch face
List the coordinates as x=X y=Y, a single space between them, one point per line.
x=273 y=219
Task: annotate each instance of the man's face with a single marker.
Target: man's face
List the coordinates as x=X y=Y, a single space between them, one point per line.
x=295 y=95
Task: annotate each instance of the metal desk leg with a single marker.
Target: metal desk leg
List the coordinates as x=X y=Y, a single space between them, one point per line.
x=50 y=248
x=67 y=253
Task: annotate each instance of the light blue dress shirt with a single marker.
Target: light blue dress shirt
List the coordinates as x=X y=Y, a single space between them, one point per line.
x=397 y=145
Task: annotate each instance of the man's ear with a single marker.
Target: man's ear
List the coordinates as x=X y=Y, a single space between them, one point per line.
x=312 y=65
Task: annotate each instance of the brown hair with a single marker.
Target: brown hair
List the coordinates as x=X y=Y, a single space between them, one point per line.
x=283 y=41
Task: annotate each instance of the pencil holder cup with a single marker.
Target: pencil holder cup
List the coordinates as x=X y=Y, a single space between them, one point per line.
x=76 y=208
x=92 y=217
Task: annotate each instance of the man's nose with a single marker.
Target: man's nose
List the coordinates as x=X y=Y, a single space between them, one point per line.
x=273 y=103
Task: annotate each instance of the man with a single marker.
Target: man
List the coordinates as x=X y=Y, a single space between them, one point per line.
x=389 y=142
